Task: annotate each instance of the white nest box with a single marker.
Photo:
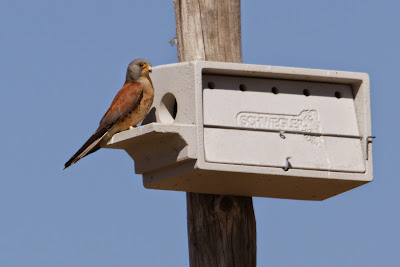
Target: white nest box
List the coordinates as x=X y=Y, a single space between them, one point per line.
x=253 y=130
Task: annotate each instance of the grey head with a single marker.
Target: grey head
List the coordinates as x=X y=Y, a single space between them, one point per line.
x=138 y=68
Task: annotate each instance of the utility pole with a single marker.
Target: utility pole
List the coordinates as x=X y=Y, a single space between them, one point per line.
x=221 y=229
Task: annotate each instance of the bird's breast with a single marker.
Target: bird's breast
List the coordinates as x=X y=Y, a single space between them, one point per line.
x=136 y=115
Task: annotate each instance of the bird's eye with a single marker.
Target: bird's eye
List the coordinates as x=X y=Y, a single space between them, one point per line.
x=141 y=65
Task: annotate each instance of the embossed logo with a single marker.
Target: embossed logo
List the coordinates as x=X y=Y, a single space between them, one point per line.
x=306 y=121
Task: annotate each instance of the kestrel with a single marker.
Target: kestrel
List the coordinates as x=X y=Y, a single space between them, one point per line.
x=128 y=108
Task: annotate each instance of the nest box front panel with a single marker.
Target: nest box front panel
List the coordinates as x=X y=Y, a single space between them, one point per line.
x=281 y=123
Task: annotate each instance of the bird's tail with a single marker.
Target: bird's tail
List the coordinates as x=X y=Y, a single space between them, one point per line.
x=91 y=145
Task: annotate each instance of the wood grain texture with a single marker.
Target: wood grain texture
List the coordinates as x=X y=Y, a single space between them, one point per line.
x=221 y=229
x=208 y=30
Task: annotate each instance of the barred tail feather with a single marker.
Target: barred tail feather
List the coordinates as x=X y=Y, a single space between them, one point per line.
x=91 y=145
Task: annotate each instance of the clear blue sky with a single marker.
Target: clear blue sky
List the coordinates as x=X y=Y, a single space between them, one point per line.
x=62 y=62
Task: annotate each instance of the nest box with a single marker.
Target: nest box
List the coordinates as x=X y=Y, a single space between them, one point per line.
x=253 y=130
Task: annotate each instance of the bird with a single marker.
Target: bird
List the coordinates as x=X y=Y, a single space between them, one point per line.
x=129 y=107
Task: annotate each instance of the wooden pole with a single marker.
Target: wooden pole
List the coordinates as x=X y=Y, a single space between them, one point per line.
x=221 y=229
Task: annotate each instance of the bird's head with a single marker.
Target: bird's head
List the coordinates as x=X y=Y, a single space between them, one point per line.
x=140 y=67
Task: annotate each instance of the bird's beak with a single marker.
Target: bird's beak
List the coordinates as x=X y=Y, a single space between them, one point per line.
x=150 y=69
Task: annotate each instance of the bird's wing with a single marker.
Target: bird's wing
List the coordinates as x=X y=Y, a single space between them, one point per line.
x=127 y=99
